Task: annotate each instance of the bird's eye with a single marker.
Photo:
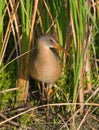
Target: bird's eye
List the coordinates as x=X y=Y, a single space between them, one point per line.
x=52 y=40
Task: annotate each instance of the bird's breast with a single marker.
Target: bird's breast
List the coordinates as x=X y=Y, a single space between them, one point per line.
x=46 y=67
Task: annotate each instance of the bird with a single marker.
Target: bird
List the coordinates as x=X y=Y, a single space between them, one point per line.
x=45 y=64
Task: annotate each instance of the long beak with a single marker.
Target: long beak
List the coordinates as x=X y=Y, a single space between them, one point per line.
x=57 y=46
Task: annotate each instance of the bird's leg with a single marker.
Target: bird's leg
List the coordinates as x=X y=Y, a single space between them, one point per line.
x=50 y=90
x=44 y=91
x=47 y=101
x=47 y=96
x=39 y=88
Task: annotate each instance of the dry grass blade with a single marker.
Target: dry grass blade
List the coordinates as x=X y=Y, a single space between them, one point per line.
x=23 y=79
x=64 y=123
x=14 y=7
x=33 y=21
x=50 y=15
x=8 y=30
x=11 y=122
x=84 y=118
x=8 y=90
x=73 y=30
x=57 y=104
x=20 y=56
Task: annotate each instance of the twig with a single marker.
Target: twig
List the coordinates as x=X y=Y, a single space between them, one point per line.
x=84 y=118
x=57 y=104
x=11 y=122
x=65 y=124
x=8 y=90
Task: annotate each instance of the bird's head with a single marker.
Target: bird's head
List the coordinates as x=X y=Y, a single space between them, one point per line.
x=49 y=42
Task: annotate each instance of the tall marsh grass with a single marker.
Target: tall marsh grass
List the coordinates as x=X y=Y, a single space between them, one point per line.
x=75 y=25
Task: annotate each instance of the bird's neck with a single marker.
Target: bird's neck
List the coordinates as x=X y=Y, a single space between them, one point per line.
x=44 y=52
x=48 y=54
